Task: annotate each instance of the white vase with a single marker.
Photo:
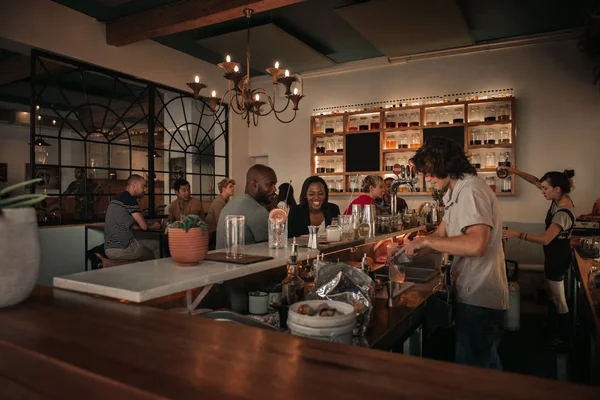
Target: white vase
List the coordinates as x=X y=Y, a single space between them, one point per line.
x=20 y=255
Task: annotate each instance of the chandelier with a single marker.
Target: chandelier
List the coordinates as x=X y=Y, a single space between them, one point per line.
x=251 y=103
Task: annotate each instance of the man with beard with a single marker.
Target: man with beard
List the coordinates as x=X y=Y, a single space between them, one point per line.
x=122 y=217
x=261 y=184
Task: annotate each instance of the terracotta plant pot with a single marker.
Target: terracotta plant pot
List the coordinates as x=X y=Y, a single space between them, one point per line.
x=20 y=255
x=188 y=248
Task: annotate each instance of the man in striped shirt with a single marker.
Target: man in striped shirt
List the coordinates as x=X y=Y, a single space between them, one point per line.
x=122 y=217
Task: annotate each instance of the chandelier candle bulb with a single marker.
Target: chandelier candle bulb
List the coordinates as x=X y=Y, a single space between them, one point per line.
x=276 y=64
x=295 y=90
x=257 y=97
x=236 y=69
x=197 y=79
x=287 y=73
x=227 y=58
x=214 y=93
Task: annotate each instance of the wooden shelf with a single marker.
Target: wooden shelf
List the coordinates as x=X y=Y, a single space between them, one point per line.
x=328 y=154
x=403 y=129
x=400 y=150
x=443 y=125
x=491 y=146
x=369 y=131
x=486 y=169
x=505 y=193
x=481 y=123
x=327 y=134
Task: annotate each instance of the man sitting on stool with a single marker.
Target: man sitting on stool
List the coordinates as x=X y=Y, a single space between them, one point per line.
x=122 y=216
x=185 y=204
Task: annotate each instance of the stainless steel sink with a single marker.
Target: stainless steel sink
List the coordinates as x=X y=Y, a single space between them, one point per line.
x=421 y=269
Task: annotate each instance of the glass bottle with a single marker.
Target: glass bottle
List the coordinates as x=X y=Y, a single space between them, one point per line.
x=320 y=145
x=330 y=125
x=431 y=117
x=475 y=115
x=403 y=120
x=489 y=113
x=504 y=112
x=490 y=136
x=334 y=231
x=476 y=160
x=459 y=116
x=292 y=287
x=390 y=141
x=444 y=117
x=490 y=160
x=491 y=182
x=339 y=184
x=414 y=119
x=353 y=124
x=403 y=141
x=339 y=124
x=319 y=128
x=330 y=166
x=330 y=146
x=504 y=159
x=475 y=137
x=320 y=165
x=506 y=185
x=390 y=121
x=353 y=184
x=364 y=229
x=415 y=141
x=402 y=160
x=339 y=144
x=375 y=124
x=389 y=163
x=504 y=136
x=363 y=123
x=442 y=290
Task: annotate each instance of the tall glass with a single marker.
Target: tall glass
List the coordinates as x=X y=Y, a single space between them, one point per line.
x=278 y=233
x=235 y=226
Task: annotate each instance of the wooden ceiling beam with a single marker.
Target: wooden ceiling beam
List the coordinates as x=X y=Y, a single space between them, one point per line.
x=182 y=16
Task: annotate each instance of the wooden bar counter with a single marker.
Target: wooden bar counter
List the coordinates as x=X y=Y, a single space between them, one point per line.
x=60 y=344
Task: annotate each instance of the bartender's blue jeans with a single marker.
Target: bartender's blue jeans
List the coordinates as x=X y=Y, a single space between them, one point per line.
x=478 y=334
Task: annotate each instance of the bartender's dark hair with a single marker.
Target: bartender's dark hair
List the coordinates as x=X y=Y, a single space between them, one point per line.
x=310 y=180
x=563 y=180
x=442 y=157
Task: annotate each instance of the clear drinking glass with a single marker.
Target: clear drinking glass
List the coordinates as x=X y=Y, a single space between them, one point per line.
x=278 y=233
x=235 y=226
x=475 y=115
x=444 y=117
x=431 y=117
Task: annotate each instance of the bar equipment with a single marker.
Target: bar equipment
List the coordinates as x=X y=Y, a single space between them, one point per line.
x=235 y=226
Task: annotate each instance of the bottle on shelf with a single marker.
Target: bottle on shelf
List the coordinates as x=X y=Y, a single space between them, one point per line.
x=389 y=162
x=489 y=113
x=504 y=136
x=476 y=160
x=353 y=123
x=363 y=123
x=319 y=128
x=330 y=166
x=339 y=124
x=339 y=144
x=320 y=146
x=390 y=120
x=504 y=159
x=475 y=137
x=403 y=120
x=330 y=125
x=431 y=117
x=459 y=116
x=490 y=160
x=330 y=146
x=375 y=123
x=444 y=117
x=490 y=136
x=475 y=114
x=403 y=141
x=507 y=185
x=390 y=141
x=414 y=118
x=415 y=140
x=504 y=112
x=320 y=166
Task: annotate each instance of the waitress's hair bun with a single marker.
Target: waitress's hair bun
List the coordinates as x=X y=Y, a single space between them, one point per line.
x=569 y=173
x=563 y=180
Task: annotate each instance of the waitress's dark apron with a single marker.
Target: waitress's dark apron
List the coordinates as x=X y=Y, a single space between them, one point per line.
x=557 y=253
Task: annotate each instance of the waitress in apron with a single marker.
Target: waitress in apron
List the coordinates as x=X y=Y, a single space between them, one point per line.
x=555 y=187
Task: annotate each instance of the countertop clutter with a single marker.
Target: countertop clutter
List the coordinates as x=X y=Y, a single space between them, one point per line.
x=60 y=344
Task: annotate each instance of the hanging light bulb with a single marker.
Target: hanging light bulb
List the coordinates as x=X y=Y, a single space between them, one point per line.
x=295 y=90
x=214 y=93
x=257 y=98
x=197 y=79
x=287 y=73
x=227 y=58
x=236 y=69
x=276 y=64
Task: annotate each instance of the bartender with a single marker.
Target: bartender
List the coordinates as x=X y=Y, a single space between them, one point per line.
x=314 y=208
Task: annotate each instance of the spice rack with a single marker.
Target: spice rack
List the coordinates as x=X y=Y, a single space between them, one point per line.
x=402 y=124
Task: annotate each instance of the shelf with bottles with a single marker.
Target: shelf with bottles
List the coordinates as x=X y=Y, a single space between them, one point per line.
x=402 y=119
x=332 y=145
x=444 y=115
x=500 y=186
x=493 y=111
x=340 y=154
x=490 y=137
x=392 y=159
x=328 y=124
x=402 y=141
x=492 y=123
x=335 y=183
x=329 y=165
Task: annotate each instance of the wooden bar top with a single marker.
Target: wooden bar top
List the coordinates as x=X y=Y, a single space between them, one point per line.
x=60 y=344
x=592 y=296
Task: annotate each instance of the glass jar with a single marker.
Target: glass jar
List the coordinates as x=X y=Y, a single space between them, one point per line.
x=490 y=136
x=415 y=141
x=319 y=128
x=403 y=141
x=504 y=112
x=375 y=124
x=330 y=185
x=491 y=182
x=402 y=160
x=339 y=185
x=352 y=124
x=390 y=121
x=507 y=185
x=330 y=166
x=414 y=118
x=330 y=125
x=476 y=160
x=444 y=117
x=402 y=120
x=504 y=159
x=475 y=115
x=390 y=141
x=339 y=124
x=339 y=144
x=363 y=123
x=320 y=166
x=334 y=231
x=489 y=113
x=389 y=163
x=459 y=116
x=320 y=146
x=475 y=137
x=431 y=117
x=330 y=146
x=339 y=165
x=353 y=184
x=490 y=160
x=504 y=136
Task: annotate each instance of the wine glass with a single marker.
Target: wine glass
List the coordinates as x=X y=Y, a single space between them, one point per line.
x=397 y=273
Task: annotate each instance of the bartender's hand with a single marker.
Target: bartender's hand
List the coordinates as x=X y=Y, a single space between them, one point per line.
x=413 y=247
x=510 y=234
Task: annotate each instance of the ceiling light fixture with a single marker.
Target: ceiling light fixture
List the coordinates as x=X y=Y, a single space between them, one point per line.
x=250 y=103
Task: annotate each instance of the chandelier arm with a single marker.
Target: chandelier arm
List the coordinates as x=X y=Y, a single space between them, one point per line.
x=272 y=104
x=285 y=122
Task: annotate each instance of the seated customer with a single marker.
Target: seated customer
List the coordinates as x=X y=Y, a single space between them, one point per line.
x=314 y=208
x=384 y=204
x=185 y=204
x=123 y=215
x=372 y=186
x=226 y=191
x=261 y=184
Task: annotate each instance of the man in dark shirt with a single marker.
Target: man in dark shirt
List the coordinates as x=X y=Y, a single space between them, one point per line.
x=122 y=216
x=384 y=204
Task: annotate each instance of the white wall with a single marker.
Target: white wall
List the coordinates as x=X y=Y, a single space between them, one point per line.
x=557 y=112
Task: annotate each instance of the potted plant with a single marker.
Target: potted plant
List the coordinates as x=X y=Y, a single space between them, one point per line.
x=20 y=253
x=188 y=240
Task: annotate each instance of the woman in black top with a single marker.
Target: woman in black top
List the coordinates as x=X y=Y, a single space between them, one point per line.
x=555 y=186
x=314 y=208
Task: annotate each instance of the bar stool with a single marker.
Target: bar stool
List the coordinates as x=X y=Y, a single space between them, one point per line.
x=107 y=262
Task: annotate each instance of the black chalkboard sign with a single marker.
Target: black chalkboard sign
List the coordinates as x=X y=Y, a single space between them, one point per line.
x=456 y=133
x=363 y=152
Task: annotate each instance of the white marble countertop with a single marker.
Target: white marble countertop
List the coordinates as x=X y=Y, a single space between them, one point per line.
x=143 y=281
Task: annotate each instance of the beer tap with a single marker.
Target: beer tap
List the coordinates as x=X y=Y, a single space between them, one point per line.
x=405 y=175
